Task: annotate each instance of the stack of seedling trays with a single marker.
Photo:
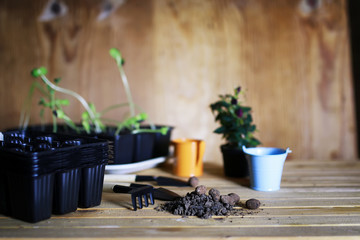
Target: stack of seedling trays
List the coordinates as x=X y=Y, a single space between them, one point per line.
x=43 y=174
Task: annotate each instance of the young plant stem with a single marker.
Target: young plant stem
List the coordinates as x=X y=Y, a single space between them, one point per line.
x=54 y=124
x=127 y=123
x=26 y=109
x=108 y=109
x=52 y=107
x=144 y=130
x=127 y=89
x=75 y=95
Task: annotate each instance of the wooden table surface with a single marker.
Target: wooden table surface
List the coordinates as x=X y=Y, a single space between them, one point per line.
x=317 y=199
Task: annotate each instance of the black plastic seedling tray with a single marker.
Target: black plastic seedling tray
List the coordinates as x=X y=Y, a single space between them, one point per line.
x=45 y=173
x=161 y=142
x=125 y=147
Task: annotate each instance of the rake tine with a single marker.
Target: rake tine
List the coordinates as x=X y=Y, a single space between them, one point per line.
x=139 y=193
x=140 y=201
x=133 y=199
x=151 y=199
x=146 y=200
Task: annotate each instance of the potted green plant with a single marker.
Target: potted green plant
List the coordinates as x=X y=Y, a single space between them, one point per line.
x=237 y=128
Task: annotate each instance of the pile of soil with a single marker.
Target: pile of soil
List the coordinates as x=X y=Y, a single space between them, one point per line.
x=198 y=203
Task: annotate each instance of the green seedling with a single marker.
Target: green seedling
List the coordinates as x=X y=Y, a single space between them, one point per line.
x=55 y=105
x=86 y=119
x=120 y=62
x=47 y=101
x=134 y=121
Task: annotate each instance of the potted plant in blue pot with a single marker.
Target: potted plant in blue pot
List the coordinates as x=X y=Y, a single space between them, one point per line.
x=237 y=128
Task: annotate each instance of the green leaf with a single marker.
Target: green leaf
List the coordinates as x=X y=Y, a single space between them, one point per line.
x=92 y=107
x=117 y=56
x=252 y=128
x=37 y=72
x=164 y=130
x=254 y=142
x=69 y=122
x=86 y=126
x=136 y=125
x=42 y=102
x=85 y=116
x=141 y=117
x=60 y=113
x=246 y=110
x=219 y=130
x=218 y=105
x=101 y=125
x=227 y=118
x=64 y=102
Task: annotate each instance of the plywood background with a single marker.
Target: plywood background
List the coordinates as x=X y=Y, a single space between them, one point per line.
x=292 y=57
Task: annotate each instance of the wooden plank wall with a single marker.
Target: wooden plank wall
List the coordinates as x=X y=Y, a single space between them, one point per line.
x=292 y=57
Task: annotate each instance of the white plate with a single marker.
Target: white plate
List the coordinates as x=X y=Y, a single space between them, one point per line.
x=133 y=167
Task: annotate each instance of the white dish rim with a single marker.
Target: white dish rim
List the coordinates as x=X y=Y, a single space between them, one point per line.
x=133 y=167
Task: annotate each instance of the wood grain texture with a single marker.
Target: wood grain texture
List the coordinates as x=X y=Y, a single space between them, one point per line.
x=320 y=205
x=292 y=57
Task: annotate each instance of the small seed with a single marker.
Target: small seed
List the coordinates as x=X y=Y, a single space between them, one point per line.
x=226 y=199
x=235 y=197
x=200 y=190
x=215 y=194
x=253 y=203
x=193 y=181
x=229 y=199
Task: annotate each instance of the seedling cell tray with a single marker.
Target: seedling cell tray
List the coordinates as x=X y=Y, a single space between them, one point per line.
x=44 y=174
x=126 y=148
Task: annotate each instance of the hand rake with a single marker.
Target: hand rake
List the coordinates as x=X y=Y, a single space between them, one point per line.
x=137 y=193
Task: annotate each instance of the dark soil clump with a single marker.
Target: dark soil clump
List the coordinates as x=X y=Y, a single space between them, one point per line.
x=198 y=203
x=253 y=203
x=193 y=181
